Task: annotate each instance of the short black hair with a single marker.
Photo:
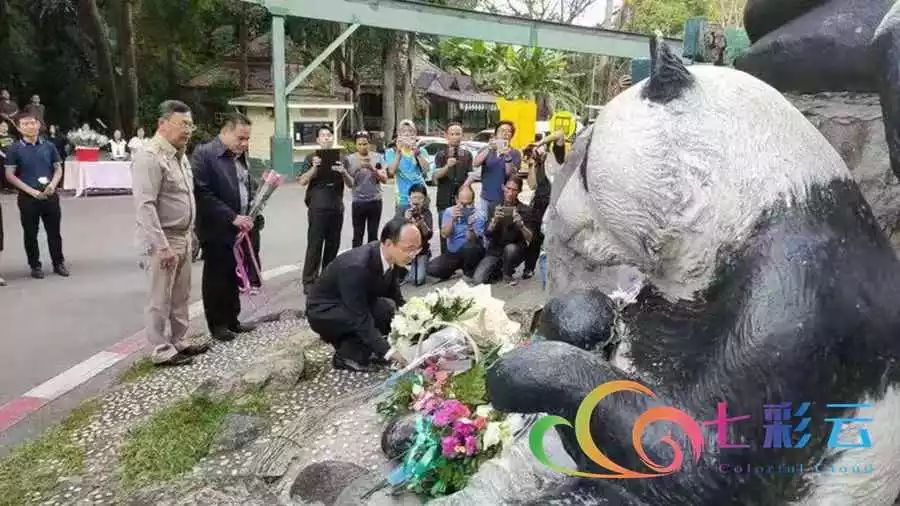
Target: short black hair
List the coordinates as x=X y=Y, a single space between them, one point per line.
x=362 y=135
x=27 y=115
x=235 y=119
x=324 y=127
x=170 y=107
x=393 y=228
x=418 y=188
x=506 y=122
x=517 y=180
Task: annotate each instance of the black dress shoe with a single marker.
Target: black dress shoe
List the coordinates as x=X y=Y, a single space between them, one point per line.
x=179 y=358
x=379 y=361
x=194 y=350
x=349 y=365
x=37 y=273
x=223 y=335
x=242 y=328
x=61 y=270
x=527 y=274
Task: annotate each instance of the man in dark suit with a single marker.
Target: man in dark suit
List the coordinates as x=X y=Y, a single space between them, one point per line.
x=224 y=193
x=353 y=303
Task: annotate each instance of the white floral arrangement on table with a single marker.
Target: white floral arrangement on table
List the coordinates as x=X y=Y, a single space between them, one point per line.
x=87 y=138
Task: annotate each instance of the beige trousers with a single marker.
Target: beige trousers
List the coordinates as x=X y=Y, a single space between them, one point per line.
x=169 y=298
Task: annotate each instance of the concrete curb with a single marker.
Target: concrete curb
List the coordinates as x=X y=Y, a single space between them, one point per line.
x=20 y=408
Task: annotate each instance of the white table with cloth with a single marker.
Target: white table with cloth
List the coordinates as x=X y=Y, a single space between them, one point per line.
x=105 y=175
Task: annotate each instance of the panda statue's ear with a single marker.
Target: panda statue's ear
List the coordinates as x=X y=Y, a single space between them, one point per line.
x=668 y=75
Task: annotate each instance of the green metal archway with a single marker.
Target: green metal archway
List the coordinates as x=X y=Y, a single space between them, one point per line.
x=432 y=20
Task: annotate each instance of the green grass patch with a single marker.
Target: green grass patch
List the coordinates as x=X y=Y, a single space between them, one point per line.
x=257 y=404
x=36 y=467
x=174 y=440
x=141 y=368
x=171 y=442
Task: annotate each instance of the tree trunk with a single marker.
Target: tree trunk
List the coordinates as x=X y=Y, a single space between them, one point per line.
x=171 y=74
x=129 y=64
x=389 y=88
x=90 y=17
x=407 y=65
x=243 y=43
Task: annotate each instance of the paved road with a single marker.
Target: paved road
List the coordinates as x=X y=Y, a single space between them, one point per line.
x=47 y=326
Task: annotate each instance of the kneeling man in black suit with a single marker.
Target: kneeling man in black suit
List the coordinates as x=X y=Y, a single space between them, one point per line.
x=352 y=304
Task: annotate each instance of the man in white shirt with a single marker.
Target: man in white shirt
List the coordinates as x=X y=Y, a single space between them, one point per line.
x=117 y=146
x=137 y=142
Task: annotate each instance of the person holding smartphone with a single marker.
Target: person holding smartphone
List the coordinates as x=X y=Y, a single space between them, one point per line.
x=366 y=167
x=325 y=177
x=462 y=227
x=418 y=213
x=499 y=161
x=406 y=163
x=538 y=180
x=453 y=166
x=508 y=234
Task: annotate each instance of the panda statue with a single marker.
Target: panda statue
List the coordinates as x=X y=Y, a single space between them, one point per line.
x=766 y=305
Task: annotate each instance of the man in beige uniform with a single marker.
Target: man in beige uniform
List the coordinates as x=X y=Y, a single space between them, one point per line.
x=164 y=198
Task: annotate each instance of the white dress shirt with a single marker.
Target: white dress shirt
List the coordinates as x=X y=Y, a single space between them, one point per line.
x=385 y=266
x=117 y=148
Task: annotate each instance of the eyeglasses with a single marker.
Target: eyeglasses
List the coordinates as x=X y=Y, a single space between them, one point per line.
x=187 y=126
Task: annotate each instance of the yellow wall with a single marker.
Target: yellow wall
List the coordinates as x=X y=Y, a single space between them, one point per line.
x=523 y=114
x=264 y=128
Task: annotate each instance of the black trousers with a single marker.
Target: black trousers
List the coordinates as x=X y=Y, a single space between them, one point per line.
x=248 y=260
x=323 y=238
x=335 y=326
x=440 y=219
x=467 y=259
x=537 y=242
x=498 y=263
x=32 y=212
x=221 y=300
x=366 y=216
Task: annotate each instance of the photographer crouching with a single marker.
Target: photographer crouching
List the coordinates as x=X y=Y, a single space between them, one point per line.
x=419 y=214
x=508 y=235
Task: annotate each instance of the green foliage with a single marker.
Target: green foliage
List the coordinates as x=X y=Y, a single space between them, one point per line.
x=256 y=404
x=470 y=387
x=452 y=308
x=452 y=475
x=514 y=72
x=667 y=16
x=141 y=368
x=36 y=467
x=398 y=401
x=172 y=441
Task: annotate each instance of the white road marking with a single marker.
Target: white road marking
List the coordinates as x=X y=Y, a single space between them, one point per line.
x=75 y=376
x=80 y=373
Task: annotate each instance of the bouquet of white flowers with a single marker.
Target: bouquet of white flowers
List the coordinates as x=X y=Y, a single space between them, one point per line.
x=87 y=138
x=472 y=310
